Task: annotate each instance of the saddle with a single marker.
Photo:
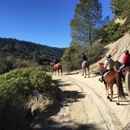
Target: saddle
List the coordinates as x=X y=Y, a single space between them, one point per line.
x=107 y=72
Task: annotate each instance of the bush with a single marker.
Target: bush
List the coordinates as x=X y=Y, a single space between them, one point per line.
x=15 y=86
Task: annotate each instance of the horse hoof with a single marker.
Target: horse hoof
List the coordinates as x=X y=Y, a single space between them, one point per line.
x=85 y=77
x=108 y=97
x=117 y=103
x=110 y=100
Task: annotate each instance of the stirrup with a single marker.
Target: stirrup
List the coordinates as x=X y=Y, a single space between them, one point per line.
x=101 y=80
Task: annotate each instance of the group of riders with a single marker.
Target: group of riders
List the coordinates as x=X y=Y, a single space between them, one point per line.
x=109 y=63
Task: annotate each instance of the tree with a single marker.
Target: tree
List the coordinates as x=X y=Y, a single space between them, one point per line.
x=121 y=8
x=35 y=55
x=87 y=19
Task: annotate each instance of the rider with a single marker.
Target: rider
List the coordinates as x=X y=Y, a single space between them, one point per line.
x=125 y=60
x=83 y=57
x=55 y=61
x=109 y=64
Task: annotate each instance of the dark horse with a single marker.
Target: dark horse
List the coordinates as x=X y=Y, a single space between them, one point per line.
x=111 y=78
x=56 y=67
x=125 y=75
x=85 y=64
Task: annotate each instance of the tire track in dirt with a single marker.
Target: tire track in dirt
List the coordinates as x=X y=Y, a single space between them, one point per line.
x=102 y=114
x=82 y=108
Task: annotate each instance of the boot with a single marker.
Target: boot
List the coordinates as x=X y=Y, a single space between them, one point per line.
x=101 y=79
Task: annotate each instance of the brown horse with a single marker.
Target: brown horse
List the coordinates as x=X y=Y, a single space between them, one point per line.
x=56 y=67
x=111 y=78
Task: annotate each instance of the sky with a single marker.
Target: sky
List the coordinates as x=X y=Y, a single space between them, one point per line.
x=45 y=22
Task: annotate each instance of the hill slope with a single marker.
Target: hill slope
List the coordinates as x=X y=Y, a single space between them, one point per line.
x=29 y=47
x=116 y=49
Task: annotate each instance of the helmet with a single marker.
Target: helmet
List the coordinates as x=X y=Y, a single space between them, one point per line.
x=108 y=55
x=126 y=52
x=82 y=53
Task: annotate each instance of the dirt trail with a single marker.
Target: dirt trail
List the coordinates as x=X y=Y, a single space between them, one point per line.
x=84 y=102
x=85 y=106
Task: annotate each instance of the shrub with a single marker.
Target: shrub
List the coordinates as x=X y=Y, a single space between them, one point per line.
x=15 y=86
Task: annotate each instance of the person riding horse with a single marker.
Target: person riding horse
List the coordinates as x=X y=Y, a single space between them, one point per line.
x=83 y=57
x=125 y=61
x=55 y=61
x=109 y=65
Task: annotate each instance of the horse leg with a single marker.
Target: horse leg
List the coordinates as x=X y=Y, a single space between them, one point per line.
x=117 y=102
x=111 y=91
x=55 y=71
x=85 y=72
x=88 y=73
x=107 y=92
x=58 y=71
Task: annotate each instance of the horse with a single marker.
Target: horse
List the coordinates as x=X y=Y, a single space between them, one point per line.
x=56 y=67
x=85 y=64
x=111 y=78
x=125 y=74
x=127 y=79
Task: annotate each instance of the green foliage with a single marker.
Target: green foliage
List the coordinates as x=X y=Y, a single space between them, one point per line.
x=87 y=18
x=70 y=59
x=72 y=56
x=15 y=86
x=95 y=52
x=120 y=8
x=24 y=81
x=112 y=32
x=24 y=49
x=5 y=65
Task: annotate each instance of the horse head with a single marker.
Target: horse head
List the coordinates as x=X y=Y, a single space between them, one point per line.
x=51 y=63
x=101 y=67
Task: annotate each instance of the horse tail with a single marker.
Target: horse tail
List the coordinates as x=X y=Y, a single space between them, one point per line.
x=127 y=82
x=119 y=85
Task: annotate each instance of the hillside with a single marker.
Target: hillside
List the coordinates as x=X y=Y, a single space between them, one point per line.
x=116 y=49
x=30 y=47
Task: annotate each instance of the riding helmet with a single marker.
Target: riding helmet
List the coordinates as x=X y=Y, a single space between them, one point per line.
x=82 y=53
x=108 y=55
x=126 y=52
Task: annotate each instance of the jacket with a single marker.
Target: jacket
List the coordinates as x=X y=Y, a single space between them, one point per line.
x=109 y=64
x=84 y=57
x=126 y=59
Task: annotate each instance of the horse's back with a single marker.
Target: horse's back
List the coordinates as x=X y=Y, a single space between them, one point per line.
x=85 y=64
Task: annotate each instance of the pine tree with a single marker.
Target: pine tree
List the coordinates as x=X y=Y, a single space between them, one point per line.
x=121 y=8
x=87 y=18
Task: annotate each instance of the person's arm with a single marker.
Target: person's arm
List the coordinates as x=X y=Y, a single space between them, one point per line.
x=105 y=64
x=114 y=65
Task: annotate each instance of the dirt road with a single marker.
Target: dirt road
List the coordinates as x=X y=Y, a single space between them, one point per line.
x=85 y=106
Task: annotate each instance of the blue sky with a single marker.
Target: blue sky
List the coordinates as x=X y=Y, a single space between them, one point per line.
x=45 y=22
